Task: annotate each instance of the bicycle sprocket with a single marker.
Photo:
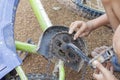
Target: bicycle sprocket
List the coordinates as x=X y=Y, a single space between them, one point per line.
x=50 y=46
x=69 y=57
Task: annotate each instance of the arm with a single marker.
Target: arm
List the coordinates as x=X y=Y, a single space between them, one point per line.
x=100 y=21
x=84 y=28
x=116 y=42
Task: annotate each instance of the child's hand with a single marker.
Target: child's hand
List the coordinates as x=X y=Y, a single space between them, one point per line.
x=104 y=73
x=101 y=50
x=82 y=28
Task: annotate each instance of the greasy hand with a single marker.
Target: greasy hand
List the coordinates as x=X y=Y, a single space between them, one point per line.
x=101 y=50
x=104 y=73
x=82 y=29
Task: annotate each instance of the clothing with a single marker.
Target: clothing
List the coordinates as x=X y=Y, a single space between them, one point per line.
x=116 y=65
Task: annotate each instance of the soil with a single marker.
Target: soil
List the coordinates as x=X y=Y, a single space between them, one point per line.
x=27 y=26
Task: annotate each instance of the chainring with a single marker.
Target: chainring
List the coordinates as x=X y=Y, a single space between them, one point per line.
x=69 y=57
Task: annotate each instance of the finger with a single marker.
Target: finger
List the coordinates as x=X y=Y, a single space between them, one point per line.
x=98 y=76
x=111 y=69
x=104 y=47
x=97 y=50
x=104 y=64
x=73 y=26
x=93 y=54
x=96 y=71
x=81 y=30
x=84 y=34
x=100 y=49
x=100 y=67
x=108 y=65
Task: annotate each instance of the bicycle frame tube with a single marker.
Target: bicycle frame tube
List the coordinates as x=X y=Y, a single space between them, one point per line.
x=25 y=47
x=44 y=22
x=61 y=70
x=21 y=73
x=40 y=13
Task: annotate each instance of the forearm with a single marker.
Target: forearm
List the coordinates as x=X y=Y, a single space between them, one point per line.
x=98 y=22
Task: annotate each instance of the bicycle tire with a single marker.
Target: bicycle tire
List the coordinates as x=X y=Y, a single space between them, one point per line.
x=81 y=9
x=33 y=76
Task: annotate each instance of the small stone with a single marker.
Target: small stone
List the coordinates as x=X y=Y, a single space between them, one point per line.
x=56 y=8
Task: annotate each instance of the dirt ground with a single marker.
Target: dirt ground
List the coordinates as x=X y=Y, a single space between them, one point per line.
x=26 y=27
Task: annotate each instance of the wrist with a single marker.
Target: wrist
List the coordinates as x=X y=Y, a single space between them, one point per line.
x=90 y=25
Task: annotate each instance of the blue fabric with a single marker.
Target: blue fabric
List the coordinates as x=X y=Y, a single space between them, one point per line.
x=8 y=56
x=2 y=78
x=115 y=63
x=77 y=1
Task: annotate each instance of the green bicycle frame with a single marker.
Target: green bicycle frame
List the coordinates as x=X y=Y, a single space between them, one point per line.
x=44 y=24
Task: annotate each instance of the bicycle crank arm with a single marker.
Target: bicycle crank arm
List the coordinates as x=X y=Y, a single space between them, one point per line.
x=100 y=57
x=77 y=51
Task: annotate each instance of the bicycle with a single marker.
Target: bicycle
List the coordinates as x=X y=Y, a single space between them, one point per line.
x=7 y=43
x=89 y=9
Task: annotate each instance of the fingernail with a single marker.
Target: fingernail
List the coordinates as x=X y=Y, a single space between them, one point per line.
x=70 y=31
x=74 y=38
x=95 y=62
